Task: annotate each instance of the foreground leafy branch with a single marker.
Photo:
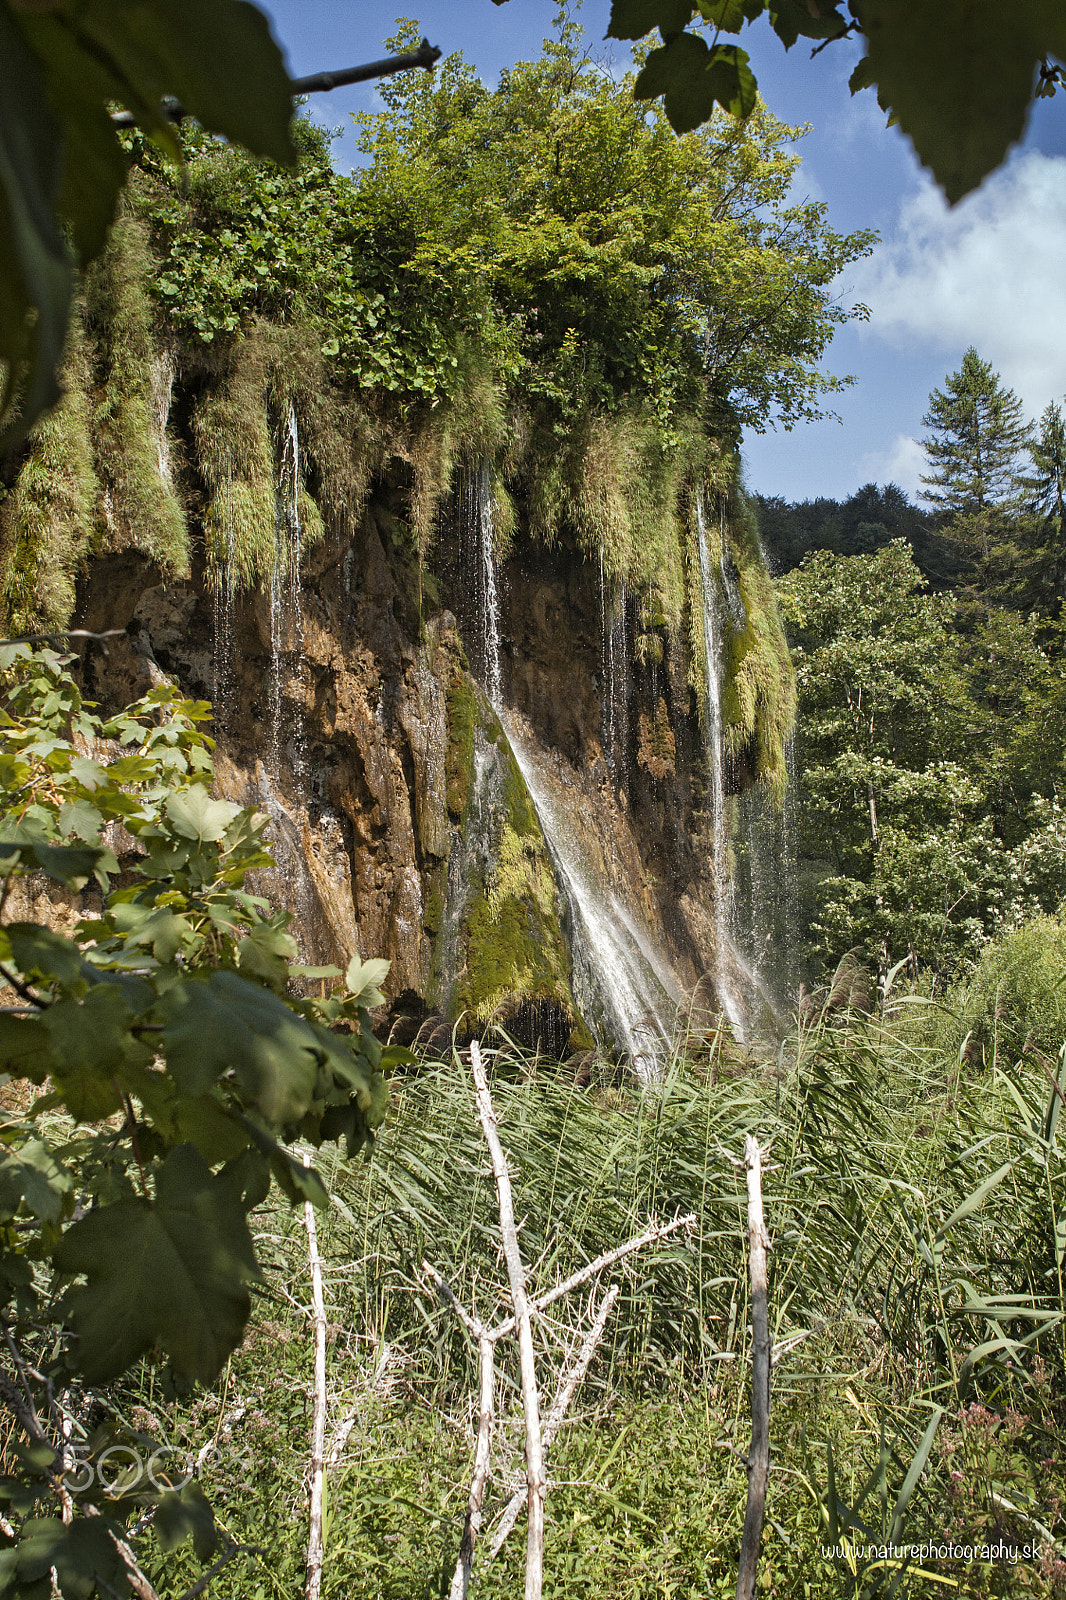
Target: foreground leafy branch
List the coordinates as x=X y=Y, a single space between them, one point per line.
x=157 y=1066
x=958 y=77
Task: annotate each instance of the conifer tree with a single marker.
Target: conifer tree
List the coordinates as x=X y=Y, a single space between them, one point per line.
x=1044 y=527
x=1046 y=486
x=976 y=437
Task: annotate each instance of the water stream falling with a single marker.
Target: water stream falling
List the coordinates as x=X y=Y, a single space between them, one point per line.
x=615 y=692
x=621 y=985
x=290 y=879
x=222 y=687
x=727 y=977
x=286 y=611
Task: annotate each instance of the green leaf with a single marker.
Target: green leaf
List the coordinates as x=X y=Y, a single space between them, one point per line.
x=693 y=78
x=31 y=1173
x=794 y=19
x=914 y=1472
x=194 y=815
x=730 y=15
x=734 y=83
x=44 y=956
x=173 y=1271
x=91 y=1046
x=973 y=1201
x=161 y=929
x=187 y=1515
x=80 y=1552
x=223 y=1023
x=632 y=19
x=297 y=1182
x=25 y=1048
x=79 y=88
x=363 y=978
x=958 y=77
x=266 y=953
x=72 y=865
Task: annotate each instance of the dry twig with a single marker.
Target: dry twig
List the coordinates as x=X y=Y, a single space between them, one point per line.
x=313 y=1585
x=759 y=1457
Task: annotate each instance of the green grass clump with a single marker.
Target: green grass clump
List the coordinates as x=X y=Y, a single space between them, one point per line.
x=916 y=1276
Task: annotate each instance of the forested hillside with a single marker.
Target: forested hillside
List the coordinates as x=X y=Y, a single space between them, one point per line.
x=928 y=648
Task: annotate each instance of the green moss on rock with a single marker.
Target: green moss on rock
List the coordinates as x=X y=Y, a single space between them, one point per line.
x=135 y=376
x=48 y=522
x=510 y=952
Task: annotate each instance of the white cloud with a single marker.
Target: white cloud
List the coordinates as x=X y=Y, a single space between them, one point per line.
x=902 y=464
x=989 y=273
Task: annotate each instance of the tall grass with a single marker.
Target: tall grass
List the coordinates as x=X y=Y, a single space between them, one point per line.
x=917 y=1208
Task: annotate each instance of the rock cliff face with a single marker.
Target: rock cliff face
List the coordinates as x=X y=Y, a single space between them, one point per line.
x=511 y=807
x=503 y=745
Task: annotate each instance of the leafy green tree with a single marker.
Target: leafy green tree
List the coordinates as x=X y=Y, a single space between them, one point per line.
x=157 y=1066
x=975 y=442
x=901 y=856
x=1043 y=535
x=1046 y=486
x=630 y=263
x=930 y=746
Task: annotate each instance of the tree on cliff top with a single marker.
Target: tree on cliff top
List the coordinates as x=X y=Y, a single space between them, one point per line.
x=631 y=263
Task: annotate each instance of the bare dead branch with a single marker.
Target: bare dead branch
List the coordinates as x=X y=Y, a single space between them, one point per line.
x=427 y=55
x=559 y=1407
x=535 y=1474
x=607 y=1259
x=342 y=1435
x=759 y=1458
x=313 y=1585
x=472 y=1526
x=469 y=1321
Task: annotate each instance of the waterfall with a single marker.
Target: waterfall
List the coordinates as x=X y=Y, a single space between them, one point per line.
x=488 y=590
x=290 y=880
x=730 y=991
x=222 y=688
x=766 y=876
x=621 y=985
x=614 y=696
x=286 y=611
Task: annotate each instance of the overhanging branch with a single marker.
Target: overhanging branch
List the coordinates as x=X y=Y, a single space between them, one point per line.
x=427 y=55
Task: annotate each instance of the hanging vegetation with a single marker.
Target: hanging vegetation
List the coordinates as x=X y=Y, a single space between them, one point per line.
x=541 y=275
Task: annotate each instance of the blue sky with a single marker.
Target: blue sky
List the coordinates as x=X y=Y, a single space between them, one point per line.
x=992 y=272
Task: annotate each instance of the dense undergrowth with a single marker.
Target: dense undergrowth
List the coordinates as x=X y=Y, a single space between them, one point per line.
x=916 y=1199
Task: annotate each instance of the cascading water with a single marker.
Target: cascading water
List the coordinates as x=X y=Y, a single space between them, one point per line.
x=615 y=692
x=621 y=985
x=730 y=992
x=766 y=876
x=286 y=612
x=222 y=688
x=614 y=978
x=285 y=690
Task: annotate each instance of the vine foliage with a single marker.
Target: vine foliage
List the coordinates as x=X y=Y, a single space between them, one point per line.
x=157 y=1066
